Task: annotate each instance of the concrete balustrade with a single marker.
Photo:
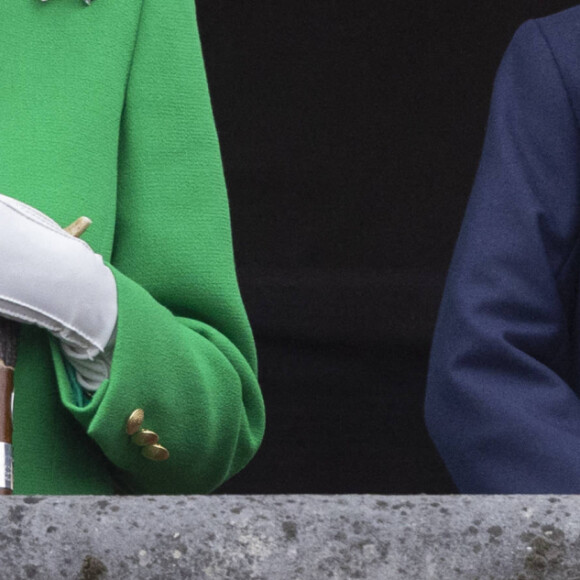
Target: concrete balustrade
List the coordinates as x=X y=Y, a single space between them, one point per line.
x=290 y=537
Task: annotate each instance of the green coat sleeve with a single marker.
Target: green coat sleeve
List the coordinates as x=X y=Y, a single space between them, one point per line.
x=184 y=352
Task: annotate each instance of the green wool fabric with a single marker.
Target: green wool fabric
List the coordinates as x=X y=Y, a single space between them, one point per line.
x=105 y=111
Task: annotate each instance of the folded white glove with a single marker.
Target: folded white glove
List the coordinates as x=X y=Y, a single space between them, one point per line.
x=56 y=281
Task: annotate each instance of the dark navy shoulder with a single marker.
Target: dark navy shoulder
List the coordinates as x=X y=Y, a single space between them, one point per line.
x=561 y=31
x=562 y=20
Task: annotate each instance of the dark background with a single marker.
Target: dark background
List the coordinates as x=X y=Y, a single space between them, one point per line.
x=350 y=135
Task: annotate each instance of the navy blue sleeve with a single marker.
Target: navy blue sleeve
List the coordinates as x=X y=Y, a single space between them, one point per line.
x=501 y=403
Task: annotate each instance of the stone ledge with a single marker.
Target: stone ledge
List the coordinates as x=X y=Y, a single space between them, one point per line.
x=290 y=537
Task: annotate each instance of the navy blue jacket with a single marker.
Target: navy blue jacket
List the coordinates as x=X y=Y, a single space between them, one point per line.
x=503 y=387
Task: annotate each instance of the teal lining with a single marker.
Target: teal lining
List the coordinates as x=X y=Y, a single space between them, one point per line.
x=81 y=399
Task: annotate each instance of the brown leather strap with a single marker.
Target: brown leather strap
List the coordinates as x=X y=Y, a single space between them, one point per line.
x=6 y=388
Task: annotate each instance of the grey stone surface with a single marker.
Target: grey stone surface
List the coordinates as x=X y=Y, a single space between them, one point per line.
x=289 y=537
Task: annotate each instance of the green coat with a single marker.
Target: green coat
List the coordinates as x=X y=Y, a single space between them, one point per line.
x=105 y=112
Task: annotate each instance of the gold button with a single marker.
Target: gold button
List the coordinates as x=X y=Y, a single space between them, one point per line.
x=135 y=420
x=155 y=452
x=145 y=437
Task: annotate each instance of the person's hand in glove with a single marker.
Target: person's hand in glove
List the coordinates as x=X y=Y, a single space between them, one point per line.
x=56 y=281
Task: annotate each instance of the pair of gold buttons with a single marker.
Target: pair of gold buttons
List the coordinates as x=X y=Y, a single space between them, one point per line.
x=145 y=438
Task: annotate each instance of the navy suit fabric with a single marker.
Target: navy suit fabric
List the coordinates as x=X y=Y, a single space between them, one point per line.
x=503 y=387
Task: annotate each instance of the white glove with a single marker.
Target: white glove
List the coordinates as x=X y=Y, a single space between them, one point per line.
x=53 y=280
